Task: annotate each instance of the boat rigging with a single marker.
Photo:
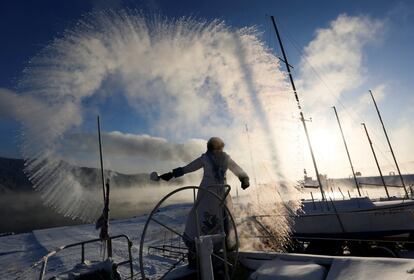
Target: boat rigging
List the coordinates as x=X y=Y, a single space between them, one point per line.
x=302 y=118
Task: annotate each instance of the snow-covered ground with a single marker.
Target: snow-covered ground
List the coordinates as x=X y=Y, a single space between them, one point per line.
x=19 y=252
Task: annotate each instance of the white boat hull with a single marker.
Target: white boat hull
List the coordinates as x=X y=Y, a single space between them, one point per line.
x=369 y=219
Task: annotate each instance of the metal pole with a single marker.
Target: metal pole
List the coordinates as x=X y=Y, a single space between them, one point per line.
x=100 y=156
x=347 y=151
x=105 y=228
x=131 y=267
x=109 y=241
x=302 y=118
x=83 y=253
x=389 y=143
x=43 y=269
x=376 y=160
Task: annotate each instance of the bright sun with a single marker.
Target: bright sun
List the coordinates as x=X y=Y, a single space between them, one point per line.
x=324 y=143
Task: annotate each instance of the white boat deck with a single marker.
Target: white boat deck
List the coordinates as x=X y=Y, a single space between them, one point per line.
x=312 y=267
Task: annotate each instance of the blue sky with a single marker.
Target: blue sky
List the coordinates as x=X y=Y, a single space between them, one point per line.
x=30 y=25
x=27 y=27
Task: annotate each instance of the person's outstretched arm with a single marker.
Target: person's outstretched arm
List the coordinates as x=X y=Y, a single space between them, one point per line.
x=240 y=173
x=180 y=171
x=191 y=167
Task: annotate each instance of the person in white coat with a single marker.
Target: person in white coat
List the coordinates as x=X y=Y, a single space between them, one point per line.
x=215 y=163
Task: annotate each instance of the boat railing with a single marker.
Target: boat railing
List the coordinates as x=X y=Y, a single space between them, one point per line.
x=389 y=245
x=44 y=260
x=318 y=201
x=170 y=251
x=378 y=185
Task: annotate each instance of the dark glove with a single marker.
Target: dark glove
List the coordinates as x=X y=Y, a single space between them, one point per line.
x=166 y=176
x=244 y=182
x=178 y=172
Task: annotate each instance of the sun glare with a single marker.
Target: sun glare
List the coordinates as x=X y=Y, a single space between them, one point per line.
x=324 y=143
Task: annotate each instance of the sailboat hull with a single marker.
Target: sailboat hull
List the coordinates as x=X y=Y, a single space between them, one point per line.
x=373 y=219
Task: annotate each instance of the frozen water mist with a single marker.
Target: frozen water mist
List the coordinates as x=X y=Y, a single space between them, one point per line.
x=184 y=78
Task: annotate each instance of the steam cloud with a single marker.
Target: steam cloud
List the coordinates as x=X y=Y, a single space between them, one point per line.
x=336 y=53
x=146 y=146
x=183 y=79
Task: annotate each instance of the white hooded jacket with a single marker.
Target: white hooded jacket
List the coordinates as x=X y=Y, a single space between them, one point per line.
x=208 y=207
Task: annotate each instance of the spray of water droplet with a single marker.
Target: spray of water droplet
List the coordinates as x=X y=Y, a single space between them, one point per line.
x=184 y=77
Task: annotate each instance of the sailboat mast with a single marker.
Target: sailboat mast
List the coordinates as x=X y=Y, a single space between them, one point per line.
x=302 y=118
x=376 y=160
x=100 y=158
x=347 y=151
x=389 y=143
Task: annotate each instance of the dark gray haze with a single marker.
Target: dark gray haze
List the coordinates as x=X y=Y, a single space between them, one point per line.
x=22 y=208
